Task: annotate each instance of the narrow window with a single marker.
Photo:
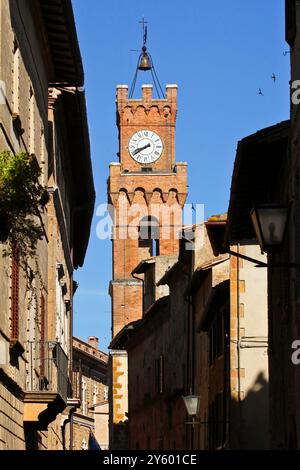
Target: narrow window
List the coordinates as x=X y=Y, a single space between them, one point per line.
x=95 y=394
x=84 y=397
x=42 y=157
x=42 y=335
x=15 y=280
x=43 y=318
x=16 y=80
x=31 y=121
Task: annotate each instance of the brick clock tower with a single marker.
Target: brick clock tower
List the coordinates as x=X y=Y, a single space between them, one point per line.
x=141 y=187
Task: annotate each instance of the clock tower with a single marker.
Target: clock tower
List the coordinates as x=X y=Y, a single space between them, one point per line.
x=147 y=191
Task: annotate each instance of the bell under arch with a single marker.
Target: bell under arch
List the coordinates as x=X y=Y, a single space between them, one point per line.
x=148 y=236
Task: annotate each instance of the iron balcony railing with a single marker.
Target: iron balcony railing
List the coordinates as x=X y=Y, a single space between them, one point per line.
x=48 y=368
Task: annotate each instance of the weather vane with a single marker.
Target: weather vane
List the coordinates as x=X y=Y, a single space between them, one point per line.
x=145 y=63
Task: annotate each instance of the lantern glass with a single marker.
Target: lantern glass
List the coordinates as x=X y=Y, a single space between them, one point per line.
x=192 y=404
x=269 y=222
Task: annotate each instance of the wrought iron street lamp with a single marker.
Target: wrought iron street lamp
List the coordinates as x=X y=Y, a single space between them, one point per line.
x=192 y=404
x=269 y=223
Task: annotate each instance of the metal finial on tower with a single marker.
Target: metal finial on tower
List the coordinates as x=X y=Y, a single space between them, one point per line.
x=145 y=63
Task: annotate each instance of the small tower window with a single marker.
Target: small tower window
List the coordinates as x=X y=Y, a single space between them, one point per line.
x=149 y=236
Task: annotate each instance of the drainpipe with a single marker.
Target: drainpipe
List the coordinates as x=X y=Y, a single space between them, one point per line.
x=71 y=431
x=63 y=429
x=190 y=341
x=191 y=353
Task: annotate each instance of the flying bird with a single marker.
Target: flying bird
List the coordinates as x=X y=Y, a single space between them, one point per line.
x=260 y=92
x=273 y=76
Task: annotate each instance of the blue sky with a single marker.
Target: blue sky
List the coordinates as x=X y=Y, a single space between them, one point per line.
x=219 y=53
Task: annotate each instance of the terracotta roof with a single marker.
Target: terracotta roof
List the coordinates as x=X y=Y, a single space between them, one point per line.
x=201 y=272
x=143 y=266
x=118 y=342
x=256 y=174
x=82 y=346
x=62 y=42
x=83 y=190
x=215 y=227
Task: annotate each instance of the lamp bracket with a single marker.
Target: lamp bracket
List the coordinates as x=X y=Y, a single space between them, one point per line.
x=262 y=264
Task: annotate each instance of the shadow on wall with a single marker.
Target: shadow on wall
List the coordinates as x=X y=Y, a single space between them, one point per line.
x=250 y=417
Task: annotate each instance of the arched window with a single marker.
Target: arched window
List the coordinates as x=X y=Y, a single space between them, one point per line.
x=149 y=235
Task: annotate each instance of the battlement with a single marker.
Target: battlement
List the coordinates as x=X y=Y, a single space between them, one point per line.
x=171 y=94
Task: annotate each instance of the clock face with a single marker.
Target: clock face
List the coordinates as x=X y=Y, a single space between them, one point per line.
x=145 y=146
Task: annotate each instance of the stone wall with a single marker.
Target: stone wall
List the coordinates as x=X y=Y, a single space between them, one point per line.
x=23 y=75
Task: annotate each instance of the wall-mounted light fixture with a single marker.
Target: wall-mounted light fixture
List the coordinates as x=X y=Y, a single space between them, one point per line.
x=270 y=223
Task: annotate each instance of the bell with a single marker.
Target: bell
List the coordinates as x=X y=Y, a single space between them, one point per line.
x=144 y=62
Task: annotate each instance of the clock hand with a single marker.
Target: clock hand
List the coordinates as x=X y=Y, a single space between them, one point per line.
x=140 y=149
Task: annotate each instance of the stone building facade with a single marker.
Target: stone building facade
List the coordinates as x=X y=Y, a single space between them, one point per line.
x=231 y=345
x=269 y=148
x=90 y=374
x=145 y=192
x=275 y=150
x=43 y=113
x=204 y=334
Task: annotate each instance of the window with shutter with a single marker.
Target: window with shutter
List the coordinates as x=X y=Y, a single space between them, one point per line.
x=15 y=279
x=42 y=344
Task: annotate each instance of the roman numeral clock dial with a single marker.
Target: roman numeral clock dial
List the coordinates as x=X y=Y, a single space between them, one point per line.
x=145 y=146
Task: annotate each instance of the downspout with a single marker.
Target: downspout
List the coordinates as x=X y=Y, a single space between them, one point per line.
x=193 y=345
x=188 y=362
x=71 y=431
x=190 y=343
x=63 y=430
x=226 y=397
x=192 y=312
x=73 y=290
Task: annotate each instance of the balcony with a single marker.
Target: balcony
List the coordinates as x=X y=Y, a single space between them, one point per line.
x=47 y=382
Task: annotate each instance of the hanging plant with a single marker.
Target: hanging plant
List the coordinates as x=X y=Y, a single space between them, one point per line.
x=22 y=199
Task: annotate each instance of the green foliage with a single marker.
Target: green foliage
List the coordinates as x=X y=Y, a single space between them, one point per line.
x=20 y=190
x=21 y=202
